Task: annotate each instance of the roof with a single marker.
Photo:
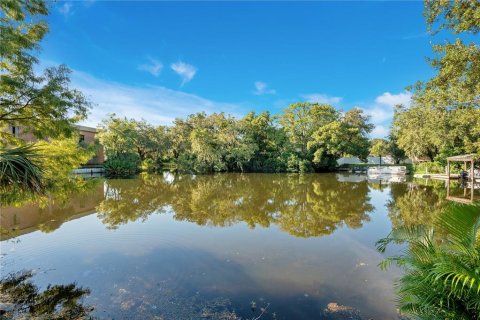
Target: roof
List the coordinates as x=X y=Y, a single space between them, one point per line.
x=84 y=128
x=463 y=157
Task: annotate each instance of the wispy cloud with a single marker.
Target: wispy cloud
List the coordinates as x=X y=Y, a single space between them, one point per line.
x=154 y=67
x=88 y=3
x=381 y=111
x=66 y=9
x=321 y=98
x=156 y=104
x=184 y=70
x=415 y=36
x=261 y=88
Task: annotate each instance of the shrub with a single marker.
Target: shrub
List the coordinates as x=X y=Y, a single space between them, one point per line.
x=19 y=169
x=442 y=265
x=150 y=165
x=429 y=167
x=122 y=166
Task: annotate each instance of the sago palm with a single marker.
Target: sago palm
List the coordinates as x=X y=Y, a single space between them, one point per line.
x=442 y=266
x=19 y=170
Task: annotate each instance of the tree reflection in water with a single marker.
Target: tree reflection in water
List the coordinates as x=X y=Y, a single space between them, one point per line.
x=21 y=299
x=416 y=203
x=302 y=205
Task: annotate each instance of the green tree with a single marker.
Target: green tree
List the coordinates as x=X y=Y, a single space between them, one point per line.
x=457 y=16
x=217 y=143
x=301 y=120
x=415 y=130
x=379 y=148
x=394 y=150
x=269 y=140
x=344 y=136
x=445 y=115
x=43 y=104
x=129 y=143
x=118 y=136
x=58 y=157
x=356 y=118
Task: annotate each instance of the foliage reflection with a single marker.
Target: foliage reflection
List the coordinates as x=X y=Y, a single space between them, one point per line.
x=302 y=205
x=22 y=299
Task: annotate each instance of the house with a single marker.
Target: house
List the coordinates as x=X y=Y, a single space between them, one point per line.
x=86 y=135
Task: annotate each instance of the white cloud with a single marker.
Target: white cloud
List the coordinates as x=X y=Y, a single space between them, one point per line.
x=184 y=70
x=261 y=88
x=66 y=8
x=379 y=114
x=392 y=100
x=381 y=111
x=321 y=98
x=380 y=131
x=154 y=67
x=156 y=104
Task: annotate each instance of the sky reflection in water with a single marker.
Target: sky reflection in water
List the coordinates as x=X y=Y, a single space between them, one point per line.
x=183 y=246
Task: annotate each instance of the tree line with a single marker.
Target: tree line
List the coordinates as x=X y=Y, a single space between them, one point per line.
x=443 y=120
x=305 y=137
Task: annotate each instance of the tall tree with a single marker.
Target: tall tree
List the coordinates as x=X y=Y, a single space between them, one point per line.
x=394 y=150
x=355 y=117
x=301 y=120
x=449 y=103
x=270 y=142
x=379 y=148
x=42 y=104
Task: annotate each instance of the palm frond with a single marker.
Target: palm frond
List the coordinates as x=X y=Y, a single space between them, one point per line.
x=19 y=169
x=442 y=264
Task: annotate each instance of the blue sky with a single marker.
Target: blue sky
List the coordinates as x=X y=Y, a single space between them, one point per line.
x=161 y=60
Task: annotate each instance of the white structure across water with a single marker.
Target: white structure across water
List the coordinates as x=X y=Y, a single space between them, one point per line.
x=370 y=160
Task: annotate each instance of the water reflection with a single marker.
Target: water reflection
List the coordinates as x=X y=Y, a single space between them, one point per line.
x=146 y=251
x=463 y=191
x=48 y=212
x=22 y=299
x=303 y=206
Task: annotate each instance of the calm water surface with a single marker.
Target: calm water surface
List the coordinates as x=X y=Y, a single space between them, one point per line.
x=190 y=247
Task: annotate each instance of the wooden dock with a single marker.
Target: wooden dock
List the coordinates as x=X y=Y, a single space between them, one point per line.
x=437 y=176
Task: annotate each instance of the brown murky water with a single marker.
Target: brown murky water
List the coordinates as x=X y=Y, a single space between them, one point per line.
x=189 y=247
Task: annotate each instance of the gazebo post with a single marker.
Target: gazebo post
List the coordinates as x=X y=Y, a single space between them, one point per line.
x=448 y=169
x=472 y=166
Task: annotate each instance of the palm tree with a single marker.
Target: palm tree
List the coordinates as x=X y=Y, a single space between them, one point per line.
x=442 y=266
x=19 y=170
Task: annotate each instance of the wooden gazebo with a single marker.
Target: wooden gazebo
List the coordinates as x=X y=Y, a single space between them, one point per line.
x=465 y=158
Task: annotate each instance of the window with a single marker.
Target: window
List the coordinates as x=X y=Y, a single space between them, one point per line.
x=15 y=131
x=82 y=138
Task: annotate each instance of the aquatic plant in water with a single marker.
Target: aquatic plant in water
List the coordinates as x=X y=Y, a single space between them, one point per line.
x=22 y=299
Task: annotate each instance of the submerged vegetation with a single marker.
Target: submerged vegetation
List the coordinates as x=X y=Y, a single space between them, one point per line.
x=22 y=299
x=442 y=265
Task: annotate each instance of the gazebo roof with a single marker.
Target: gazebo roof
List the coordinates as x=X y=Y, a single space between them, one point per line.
x=463 y=157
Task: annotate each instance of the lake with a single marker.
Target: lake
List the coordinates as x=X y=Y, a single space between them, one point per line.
x=213 y=246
